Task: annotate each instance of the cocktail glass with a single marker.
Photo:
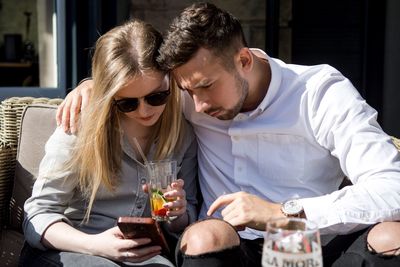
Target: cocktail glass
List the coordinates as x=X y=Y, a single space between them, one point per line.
x=161 y=174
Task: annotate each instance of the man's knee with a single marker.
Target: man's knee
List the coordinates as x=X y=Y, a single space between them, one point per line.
x=385 y=237
x=208 y=236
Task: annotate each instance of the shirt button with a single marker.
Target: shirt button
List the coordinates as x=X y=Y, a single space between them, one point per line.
x=236 y=138
x=240 y=169
x=241 y=117
x=143 y=180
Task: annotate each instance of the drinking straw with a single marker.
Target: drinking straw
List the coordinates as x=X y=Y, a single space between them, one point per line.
x=140 y=150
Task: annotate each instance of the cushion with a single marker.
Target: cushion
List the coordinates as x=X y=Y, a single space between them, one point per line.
x=11 y=243
x=38 y=123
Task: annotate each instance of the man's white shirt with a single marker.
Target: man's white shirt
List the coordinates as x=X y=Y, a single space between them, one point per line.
x=312 y=129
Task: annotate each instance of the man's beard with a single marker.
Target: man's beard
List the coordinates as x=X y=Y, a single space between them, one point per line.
x=242 y=87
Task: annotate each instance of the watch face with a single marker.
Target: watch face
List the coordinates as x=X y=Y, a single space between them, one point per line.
x=292 y=207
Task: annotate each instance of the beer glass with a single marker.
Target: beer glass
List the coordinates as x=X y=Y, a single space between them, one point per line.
x=291 y=242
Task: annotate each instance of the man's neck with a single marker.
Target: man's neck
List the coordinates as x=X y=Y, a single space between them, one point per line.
x=258 y=82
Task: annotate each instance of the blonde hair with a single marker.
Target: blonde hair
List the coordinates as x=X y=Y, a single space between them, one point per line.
x=123 y=53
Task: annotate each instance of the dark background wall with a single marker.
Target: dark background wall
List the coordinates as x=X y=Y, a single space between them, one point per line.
x=391 y=88
x=348 y=35
x=361 y=39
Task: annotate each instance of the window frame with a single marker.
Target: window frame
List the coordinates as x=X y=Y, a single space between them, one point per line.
x=51 y=92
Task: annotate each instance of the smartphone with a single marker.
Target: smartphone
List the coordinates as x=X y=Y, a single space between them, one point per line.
x=140 y=227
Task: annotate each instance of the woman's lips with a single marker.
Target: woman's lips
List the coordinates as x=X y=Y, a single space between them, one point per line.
x=146 y=118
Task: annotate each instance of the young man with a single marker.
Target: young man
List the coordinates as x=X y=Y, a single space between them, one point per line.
x=268 y=133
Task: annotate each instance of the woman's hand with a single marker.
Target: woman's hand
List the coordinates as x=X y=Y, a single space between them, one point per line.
x=110 y=244
x=178 y=206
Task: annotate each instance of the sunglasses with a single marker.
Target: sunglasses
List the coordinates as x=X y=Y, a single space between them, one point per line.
x=131 y=104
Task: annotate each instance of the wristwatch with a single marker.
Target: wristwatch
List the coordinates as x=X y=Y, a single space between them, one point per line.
x=292 y=208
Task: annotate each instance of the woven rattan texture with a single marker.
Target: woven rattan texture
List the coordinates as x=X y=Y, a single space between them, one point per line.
x=11 y=111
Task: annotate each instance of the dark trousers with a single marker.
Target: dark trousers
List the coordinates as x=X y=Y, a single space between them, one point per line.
x=345 y=250
x=357 y=254
x=32 y=257
x=248 y=253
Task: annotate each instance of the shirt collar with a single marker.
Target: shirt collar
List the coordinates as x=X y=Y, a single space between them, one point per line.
x=276 y=76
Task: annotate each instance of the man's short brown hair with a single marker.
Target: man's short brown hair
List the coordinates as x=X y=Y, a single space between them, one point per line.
x=202 y=25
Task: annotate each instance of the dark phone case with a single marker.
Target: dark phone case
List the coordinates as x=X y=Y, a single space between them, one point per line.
x=138 y=227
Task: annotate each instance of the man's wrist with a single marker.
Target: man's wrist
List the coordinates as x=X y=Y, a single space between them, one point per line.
x=293 y=208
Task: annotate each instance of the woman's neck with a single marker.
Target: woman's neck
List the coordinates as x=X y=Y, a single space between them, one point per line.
x=133 y=130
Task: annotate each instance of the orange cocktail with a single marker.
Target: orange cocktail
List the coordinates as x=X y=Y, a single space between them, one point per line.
x=161 y=174
x=157 y=201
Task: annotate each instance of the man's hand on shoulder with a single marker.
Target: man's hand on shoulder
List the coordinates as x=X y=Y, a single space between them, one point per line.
x=68 y=111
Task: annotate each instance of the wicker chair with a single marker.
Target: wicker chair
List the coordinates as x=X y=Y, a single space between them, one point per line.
x=21 y=149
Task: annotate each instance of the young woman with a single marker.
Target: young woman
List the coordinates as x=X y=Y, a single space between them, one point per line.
x=86 y=181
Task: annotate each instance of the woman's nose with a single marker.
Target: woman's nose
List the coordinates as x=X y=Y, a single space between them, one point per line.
x=144 y=107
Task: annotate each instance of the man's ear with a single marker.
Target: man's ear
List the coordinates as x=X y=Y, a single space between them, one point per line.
x=245 y=59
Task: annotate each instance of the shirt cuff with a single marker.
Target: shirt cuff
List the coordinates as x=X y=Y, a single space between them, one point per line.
x=322 y=211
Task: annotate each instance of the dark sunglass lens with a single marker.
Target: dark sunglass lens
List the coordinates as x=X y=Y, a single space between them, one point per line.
x=127 y=105
x=158 y=99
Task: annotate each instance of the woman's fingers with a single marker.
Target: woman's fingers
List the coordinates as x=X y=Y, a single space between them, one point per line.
x=176 y=207
x=179 y=183
x=135 y=242
x=140 y=254
x=178 y=194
